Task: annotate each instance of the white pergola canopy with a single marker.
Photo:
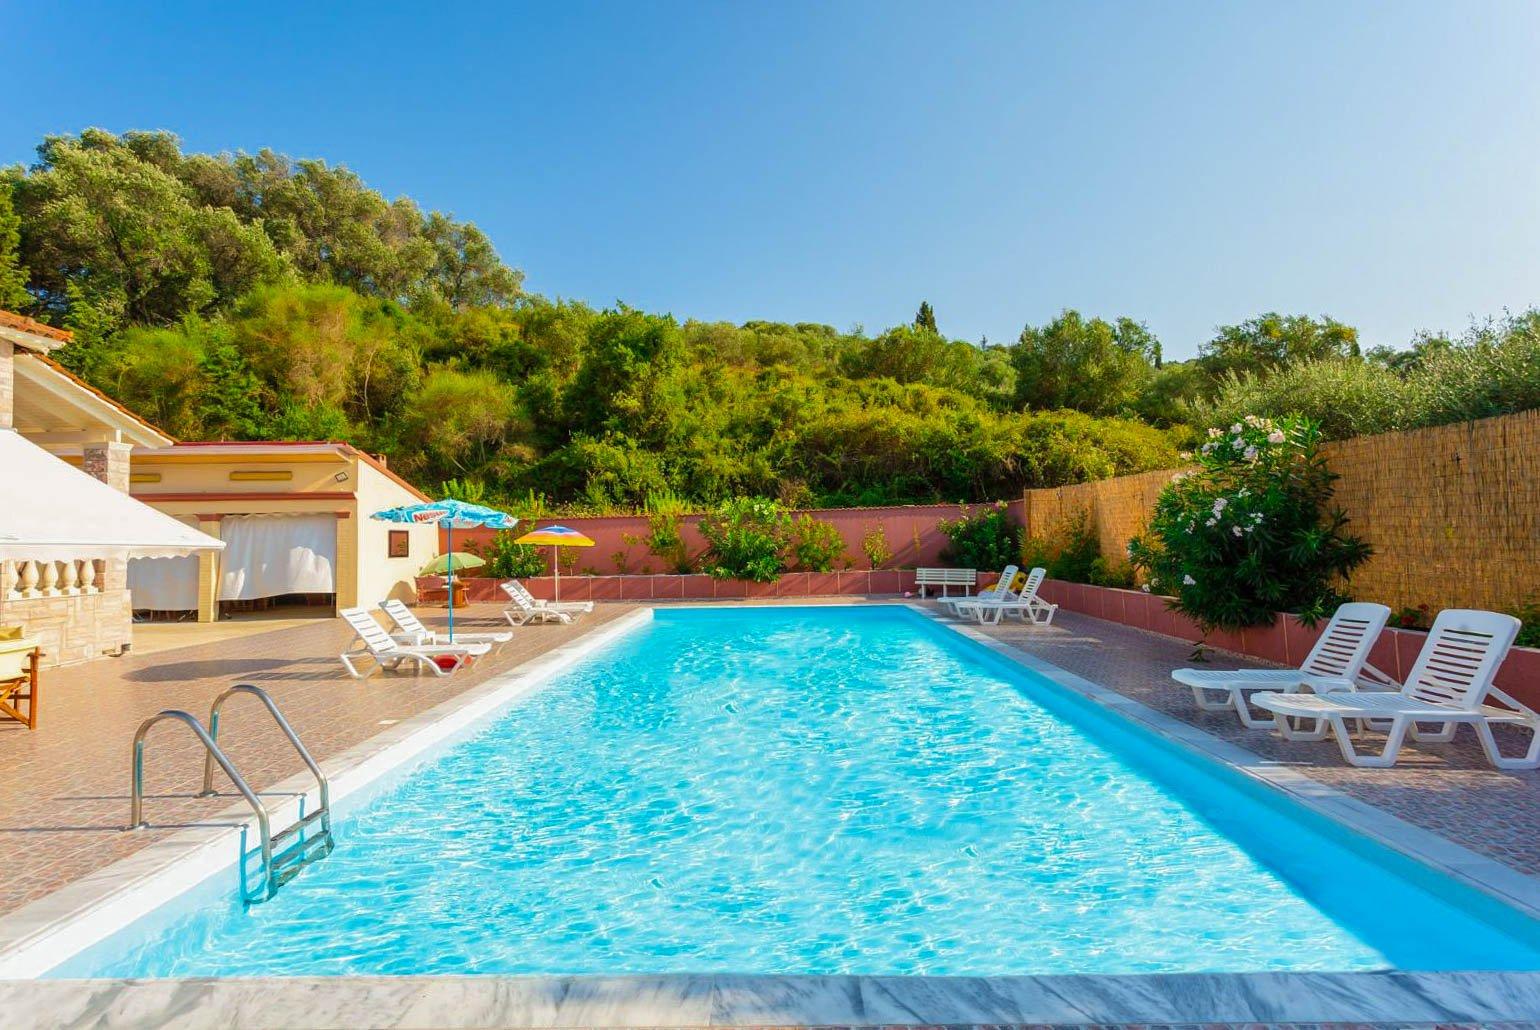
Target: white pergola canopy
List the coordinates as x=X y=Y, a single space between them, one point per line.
x=55 y=512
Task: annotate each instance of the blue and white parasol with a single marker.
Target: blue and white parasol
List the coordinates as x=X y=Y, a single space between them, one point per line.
x=451 y=515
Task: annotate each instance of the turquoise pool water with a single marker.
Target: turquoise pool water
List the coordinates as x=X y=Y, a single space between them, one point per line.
x=824 y=790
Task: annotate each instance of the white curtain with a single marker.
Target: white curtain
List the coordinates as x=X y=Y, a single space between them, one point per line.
x=268 y=555
x=165 y=584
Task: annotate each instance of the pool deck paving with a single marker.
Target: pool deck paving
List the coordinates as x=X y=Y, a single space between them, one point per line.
x=64 y=807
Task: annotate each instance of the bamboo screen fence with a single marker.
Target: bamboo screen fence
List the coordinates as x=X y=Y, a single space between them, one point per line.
x=1453 y=512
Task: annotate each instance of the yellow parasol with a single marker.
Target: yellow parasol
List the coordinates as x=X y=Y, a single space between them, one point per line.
x=555 y=536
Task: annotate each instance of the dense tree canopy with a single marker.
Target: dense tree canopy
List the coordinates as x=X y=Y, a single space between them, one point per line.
x=253 y=296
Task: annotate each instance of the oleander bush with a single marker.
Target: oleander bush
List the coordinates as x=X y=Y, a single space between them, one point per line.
x=1251 y=531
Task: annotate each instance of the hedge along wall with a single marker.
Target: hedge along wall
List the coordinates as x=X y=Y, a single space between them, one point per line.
x=1453 y=511
x=913 y=534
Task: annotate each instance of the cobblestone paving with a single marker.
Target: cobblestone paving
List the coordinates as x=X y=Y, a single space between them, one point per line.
x=1447 y=788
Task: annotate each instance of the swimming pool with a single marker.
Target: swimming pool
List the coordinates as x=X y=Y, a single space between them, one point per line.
x=824 y=790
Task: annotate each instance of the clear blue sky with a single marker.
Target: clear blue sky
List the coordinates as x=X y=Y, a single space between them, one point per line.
x=1184 y=164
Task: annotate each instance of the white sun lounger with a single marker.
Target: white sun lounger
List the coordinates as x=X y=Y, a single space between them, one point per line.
x=999 y=592
x=1450 y=684
x=1026 y=605
x=513 y=586
x=414 y=633
x=389 y=654
x=1338 y=661
x=525 y=609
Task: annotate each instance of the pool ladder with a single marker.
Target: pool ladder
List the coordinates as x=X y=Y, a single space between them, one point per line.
x=282 y=855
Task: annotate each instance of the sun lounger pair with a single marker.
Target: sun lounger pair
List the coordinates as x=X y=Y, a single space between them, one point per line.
x=525 y=608
x=414 y=643
x=990 y=606
x=1450 y=684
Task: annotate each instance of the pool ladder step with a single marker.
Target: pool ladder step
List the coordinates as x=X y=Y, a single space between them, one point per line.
x=283 y=854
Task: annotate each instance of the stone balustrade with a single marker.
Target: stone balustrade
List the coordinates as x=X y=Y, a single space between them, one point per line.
x=27 y=580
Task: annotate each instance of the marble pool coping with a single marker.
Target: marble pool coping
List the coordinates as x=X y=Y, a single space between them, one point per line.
x=36 y=937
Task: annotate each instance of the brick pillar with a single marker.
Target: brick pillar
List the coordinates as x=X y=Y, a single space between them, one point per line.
x=346 y=572
x=208 y=572
x=109 y=463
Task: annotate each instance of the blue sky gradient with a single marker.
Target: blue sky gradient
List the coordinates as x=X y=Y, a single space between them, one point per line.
x=1186 y=164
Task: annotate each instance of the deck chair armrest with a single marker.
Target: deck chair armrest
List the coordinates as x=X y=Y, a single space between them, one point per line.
x=1519 y=708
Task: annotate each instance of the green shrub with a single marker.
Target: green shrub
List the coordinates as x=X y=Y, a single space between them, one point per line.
x=986 y=539
x=1249 y=533
x=1074 y=554
x=747 y=538
x=1344 y=396
x=664 y=539
x=1528 y=612
x=874 y=544
x=816 y=545
x=508 y=560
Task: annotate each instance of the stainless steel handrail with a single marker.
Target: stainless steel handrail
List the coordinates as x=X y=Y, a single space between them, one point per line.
x=136 y=817
x=288 y=731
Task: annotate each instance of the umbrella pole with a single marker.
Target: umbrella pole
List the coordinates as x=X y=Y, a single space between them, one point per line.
x=449 y=529
x=556 y=570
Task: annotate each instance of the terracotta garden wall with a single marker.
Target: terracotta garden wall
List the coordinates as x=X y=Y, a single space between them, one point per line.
x=912 y=534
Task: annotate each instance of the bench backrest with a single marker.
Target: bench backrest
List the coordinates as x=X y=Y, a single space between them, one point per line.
x=947 y=577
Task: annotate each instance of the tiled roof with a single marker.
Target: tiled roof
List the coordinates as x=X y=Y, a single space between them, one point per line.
x=33 y=326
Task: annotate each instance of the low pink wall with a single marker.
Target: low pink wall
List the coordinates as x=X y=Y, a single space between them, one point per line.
x=1286 y=641
x=911 y=530
x=853 y=583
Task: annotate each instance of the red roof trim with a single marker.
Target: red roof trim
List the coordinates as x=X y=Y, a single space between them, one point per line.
x=32 y=325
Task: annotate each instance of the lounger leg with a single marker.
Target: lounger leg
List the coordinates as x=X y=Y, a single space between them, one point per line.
x=347 y=663
x=1386 y=758
x=1531 y=759
x=1200 y=698
x=1289 y=731
x=1242 y=708
x=1443 y=735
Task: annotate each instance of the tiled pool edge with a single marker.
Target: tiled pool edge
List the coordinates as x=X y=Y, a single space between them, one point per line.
x=765 y=1001
x=37 y=936
x=1485 y=874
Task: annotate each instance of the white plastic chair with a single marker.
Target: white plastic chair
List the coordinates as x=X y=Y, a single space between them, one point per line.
x=1338 y=661
x=414 y=633
x=389 y=654
x=1449 y=685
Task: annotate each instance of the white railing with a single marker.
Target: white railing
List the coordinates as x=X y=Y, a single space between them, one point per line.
x=71 y=578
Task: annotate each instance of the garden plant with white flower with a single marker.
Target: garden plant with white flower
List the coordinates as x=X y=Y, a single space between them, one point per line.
x=1251 y=532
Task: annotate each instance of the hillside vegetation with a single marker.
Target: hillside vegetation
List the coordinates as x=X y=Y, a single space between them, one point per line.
x=259 y=297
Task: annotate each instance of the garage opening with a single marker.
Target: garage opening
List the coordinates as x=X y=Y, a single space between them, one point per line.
x=277 y=561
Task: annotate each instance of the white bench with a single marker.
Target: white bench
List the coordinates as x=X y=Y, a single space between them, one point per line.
x=945 y=579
